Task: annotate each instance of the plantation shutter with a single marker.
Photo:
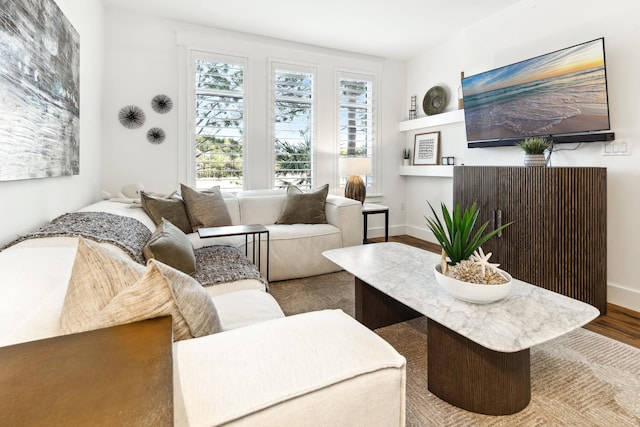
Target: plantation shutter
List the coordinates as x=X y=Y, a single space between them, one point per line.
x=293 y=103
x=219 y=122
x=356 y=118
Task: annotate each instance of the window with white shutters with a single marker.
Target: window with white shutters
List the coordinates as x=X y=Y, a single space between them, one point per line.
x=292 y=108
x=219 y=122
x=356 y=118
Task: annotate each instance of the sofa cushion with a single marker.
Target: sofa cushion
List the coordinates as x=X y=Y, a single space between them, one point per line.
x=108 y=289
x=169 y=245
x=261 y=209
x=245 y=307
x=233 y=207
x=288 y=242
x=205 y=208
x=172 y=209
x=35 y=275
x=304 y=208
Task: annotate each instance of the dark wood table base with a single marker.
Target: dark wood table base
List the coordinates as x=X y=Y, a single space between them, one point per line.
x=473 y=377
x=375 y=309
x=460 y=371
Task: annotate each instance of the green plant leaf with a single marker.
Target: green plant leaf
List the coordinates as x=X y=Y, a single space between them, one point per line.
x=456 y=236
x=534 y=145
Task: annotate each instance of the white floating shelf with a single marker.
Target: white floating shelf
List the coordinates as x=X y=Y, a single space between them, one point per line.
x=432 y=121
x=436 y=171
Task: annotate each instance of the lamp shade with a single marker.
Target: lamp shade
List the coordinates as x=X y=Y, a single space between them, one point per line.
x=354 y=166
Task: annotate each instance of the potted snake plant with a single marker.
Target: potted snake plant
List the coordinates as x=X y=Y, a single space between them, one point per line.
x=464 y=270
x=406 y=157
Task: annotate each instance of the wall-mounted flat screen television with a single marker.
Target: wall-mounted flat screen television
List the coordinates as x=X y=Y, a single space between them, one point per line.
x=562 y=92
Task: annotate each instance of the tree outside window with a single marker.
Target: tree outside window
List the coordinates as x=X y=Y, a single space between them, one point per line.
x=293 y=127
x=356 y=118
x=219 y=123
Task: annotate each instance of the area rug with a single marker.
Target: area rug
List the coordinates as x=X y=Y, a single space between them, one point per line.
x=579 y=379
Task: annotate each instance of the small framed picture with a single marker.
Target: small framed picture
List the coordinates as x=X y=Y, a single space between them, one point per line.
x=426 y=148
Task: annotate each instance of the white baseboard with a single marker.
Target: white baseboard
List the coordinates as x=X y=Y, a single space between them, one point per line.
x=398 y=230
x=624 y=297
x=421 y=233
x=379 y=231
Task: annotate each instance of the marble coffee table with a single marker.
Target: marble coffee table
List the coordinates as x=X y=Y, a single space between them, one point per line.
x=478 y=355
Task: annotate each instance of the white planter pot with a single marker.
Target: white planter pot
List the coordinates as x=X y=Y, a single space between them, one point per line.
x=535 y=160
x=473 y=292
x=406 y=162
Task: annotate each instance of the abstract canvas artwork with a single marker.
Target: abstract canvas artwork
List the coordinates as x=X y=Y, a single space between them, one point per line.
x=39 y=91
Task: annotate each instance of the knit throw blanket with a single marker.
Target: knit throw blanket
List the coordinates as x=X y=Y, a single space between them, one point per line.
x=128 y=234
x=214 y=264
x=223 y=264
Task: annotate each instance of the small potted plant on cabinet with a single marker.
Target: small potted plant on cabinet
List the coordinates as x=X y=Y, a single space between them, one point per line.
x=406 y=157
x=534 y=149
x=464 y=270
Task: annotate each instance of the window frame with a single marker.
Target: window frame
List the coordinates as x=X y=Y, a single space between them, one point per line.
x=274 y=66
x=194 y=56
x=373 y=148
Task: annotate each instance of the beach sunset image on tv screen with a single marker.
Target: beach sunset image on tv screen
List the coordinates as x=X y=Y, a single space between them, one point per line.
x=558 y=93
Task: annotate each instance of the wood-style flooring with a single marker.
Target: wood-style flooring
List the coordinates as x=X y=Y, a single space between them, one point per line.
x=619 y=323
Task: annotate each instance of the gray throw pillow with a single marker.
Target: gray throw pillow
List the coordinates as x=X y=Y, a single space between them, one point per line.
x=172 y=209
x=169 y=245
x=304 y=208
x=205 y=208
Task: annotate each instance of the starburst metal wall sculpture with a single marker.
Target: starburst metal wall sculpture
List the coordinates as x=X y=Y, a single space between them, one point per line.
x=156 y=135
x=131 y=117
x=161 y=104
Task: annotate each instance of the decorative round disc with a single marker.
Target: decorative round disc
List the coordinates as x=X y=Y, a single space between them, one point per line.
x=434 y=101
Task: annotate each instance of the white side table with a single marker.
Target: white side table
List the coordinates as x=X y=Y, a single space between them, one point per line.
x=372 y=209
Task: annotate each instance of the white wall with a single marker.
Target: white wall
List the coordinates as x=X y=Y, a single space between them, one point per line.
x=530 y=28
x=30 y=203
x=146 y=56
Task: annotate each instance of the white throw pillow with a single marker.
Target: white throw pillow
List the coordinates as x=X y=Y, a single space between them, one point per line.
x=107 y=289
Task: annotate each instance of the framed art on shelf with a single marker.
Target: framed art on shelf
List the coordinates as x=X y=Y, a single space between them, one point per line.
x=426 y=148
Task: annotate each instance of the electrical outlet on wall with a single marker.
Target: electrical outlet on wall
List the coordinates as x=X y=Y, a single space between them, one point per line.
x=621 y=147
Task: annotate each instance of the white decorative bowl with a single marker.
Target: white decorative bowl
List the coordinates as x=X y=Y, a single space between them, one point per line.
x=472 y=292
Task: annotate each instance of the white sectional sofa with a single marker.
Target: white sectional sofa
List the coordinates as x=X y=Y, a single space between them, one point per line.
x=263 y=369
x=295 y=250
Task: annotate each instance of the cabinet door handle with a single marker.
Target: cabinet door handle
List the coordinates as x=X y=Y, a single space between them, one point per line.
x=493 y=219
x=499 y=222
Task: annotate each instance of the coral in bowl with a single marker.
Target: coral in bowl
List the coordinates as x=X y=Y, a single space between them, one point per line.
x=473 y=292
